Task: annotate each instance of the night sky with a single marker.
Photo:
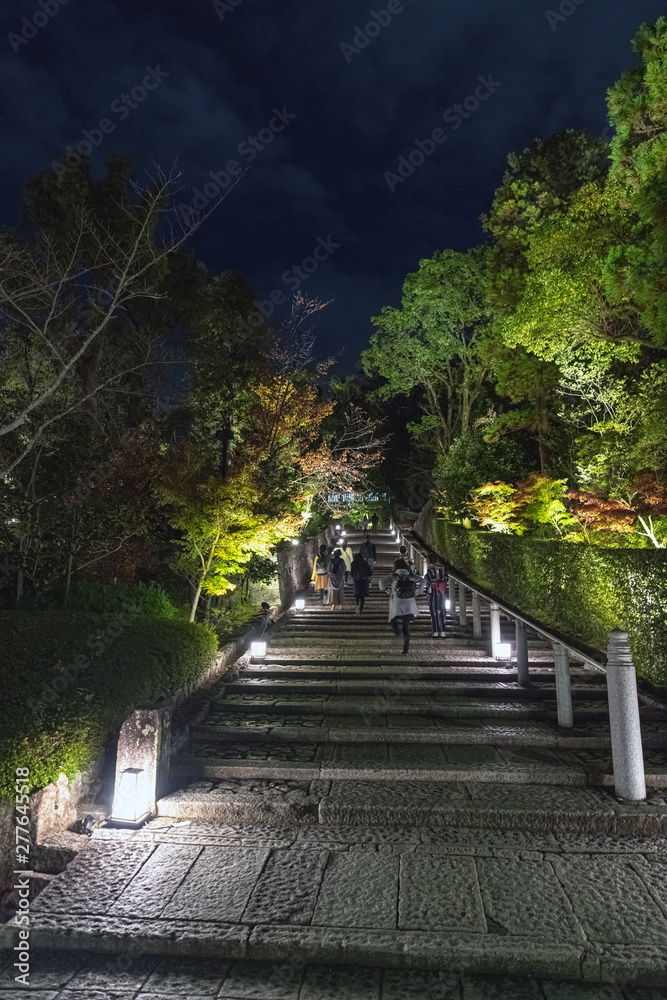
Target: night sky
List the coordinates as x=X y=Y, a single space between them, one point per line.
x=277 y=87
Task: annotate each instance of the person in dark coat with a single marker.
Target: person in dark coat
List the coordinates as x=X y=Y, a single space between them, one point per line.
x=367 y=550
x=361 y=574
x=337 y=581
x=374 y=524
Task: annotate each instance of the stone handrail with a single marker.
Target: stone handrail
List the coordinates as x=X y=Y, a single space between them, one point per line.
x=623 y=698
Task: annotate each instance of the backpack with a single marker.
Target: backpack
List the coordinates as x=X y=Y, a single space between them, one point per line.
x=405 y=589
x=321 y=565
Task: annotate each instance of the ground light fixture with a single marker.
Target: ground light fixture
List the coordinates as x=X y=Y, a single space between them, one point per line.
x=258 y=648
x=299 y=604
x=295 y=541
x=130 y=802
x=337 y=527
x=448 y=604
x=502 y=650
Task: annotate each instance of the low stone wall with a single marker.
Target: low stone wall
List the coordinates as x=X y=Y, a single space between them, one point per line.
x=51 y=809
x=295 y=565
x=54 y=809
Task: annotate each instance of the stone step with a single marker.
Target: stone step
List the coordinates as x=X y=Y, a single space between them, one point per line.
x=437 y=706
x=374 y=726
x=371 y=807
x=395 y=761
x=292 y=729
x=381 y=686
x=444 y=670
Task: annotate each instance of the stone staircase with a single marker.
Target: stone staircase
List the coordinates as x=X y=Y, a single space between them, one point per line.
x=342 y=805
x=336 y=725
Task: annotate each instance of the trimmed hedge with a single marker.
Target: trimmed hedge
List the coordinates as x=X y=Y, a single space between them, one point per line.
x=582 y=590
x=69 y=678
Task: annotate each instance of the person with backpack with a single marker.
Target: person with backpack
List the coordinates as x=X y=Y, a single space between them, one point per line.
x=337 y=581
x=361 y=574
x=436 y=588
x=321 y=573
x=403 y=554
x=367 y=550
x=403 y=587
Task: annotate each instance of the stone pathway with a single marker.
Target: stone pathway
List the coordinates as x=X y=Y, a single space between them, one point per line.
x=378 y=826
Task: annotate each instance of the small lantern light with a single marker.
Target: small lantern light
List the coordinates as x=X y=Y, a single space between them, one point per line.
x=299 y=604
x=502 y=651
x=448 y=604
x=258 y=649
x=337 y=527
x=295 y=541
x=130 y=803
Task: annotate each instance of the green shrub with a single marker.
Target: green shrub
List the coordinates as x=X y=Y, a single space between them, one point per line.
x=106 y=599
x=582 y=590
x=69 y=679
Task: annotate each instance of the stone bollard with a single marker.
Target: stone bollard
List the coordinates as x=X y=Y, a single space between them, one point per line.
x=626 y=736
x=494 y=613
x=145 y=742
x=463 y=606
x=563 y=686
x=523 y=676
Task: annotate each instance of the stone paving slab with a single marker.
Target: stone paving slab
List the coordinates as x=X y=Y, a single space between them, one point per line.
x=152 y=978
x=432 y=908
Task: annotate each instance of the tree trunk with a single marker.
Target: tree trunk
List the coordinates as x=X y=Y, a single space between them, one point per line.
x=195 y=602
x=542 y=426
x=68 y=579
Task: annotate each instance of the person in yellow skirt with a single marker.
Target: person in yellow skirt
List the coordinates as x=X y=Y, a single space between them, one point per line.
x=320 y=575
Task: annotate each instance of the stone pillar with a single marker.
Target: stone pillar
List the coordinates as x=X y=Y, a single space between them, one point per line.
x=476 y=616
x=626 y=736
x=521 y=653
x=494 y=612
x=563 y=686
x=145 y=742
x=463 y=606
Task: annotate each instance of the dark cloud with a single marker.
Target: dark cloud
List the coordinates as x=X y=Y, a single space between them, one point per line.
x=322 y=176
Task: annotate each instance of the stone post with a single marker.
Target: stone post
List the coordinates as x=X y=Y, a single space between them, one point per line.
x=563 y=686
x=494 y=612
x=626 y=736
x=145 y=742
x=521 y=653
x=463 y=606
x=476 y=616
